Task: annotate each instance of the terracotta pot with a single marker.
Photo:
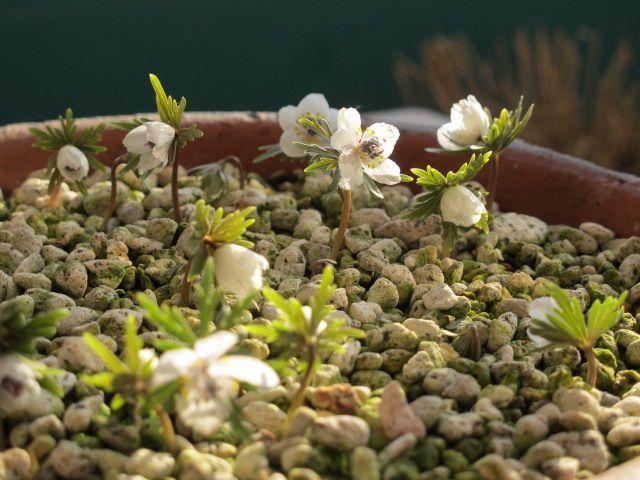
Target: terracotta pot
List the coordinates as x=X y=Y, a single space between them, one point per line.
x=554 y=187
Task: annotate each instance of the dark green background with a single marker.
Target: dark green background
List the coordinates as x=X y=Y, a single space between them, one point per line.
x=246 y=54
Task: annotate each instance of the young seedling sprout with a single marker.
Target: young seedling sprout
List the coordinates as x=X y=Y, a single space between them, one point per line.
x=121 y=160
x=473 y=129
x=155 y=145
x=215 y=182
x=73 y=153
x=558 y=320
x=458 y=205
x=238 y=270
x=306 y=332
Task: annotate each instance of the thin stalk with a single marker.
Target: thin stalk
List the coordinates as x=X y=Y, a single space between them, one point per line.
x=493 y=180
x=55 y=194
x=298 y=398
x=344 y=222
x=114 y=191
x=445 y=251
x=592 y=366
x=175 y=158
x=1 y=433
x=186 y=284
x=168 y=433
x=235 y=161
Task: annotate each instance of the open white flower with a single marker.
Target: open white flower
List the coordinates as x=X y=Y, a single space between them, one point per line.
x=461 y=207
x=238 y=269
x=540 y=309
x=151 y=141
x=72 y=163
x=366 y=151
x=207 y=359
x=18 y=384
x=313 y=104
x=469 y=123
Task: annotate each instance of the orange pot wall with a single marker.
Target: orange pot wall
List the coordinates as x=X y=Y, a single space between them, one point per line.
x=533 y=180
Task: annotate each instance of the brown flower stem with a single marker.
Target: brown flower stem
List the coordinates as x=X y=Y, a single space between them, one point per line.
x=592 y=366
x=186 y=285
x=114 y=191
x=298 y=398
x=344 y=221
x=168 y=433
x=175 y=197
x=55 y=195
x=235 y=161
x=493 y=180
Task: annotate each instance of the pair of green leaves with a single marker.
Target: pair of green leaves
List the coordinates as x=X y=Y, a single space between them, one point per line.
x=19 y=328
x=52 y=139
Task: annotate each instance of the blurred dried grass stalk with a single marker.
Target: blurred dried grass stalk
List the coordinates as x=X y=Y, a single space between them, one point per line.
x=584 y=106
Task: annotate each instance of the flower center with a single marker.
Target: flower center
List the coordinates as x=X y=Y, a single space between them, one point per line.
x=12 y=385
x=371 y=151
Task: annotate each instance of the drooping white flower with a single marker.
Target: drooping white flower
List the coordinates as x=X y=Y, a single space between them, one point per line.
x=72 y=163
x=238 y=270
x=207 y=360
x=540 y=309
x=469 y=123
x=461 y=207
x=366 y=151
x=313 y=104
x=151 y=141
x=18 y=384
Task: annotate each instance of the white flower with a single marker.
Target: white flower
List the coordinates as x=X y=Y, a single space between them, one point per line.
x=366 y=151
x=469 y=123
x=72 y=163
x=313 y=104
x=147 y=356
x=18 y=384
x=238 y=270
x=461 y=207
x=207 y=360
x=540 y=309
x=151 y=141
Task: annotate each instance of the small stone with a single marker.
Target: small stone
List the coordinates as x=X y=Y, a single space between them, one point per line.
x=561 y=468
x=576 y=399
x=290 y=261
x=630 y=270
x=70 y=460
x=597 y=231
x=340 y=432
x=364 y=464
x=529 y=430
x=541 y=452
x=77 y=417
x=384 y=293
x=449 y=383
x=396 y=416
x=365 y=312
x=588 y=447
x=149 y=464
x=396 y=449
x=518 y=227
x=27 y=280
x=76 y=355
x=15 y=464
x=72 y=279
x=47 y=425
x=626 y=431
x=440 y=297
x=162 y=230
x=455 y=427
x=346 y=359
x=264 y=415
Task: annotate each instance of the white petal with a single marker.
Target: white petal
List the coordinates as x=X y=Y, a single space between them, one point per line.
x=18 y=384
x=245 y=369
x=541 y=308
x=345 y=140
x=387 y=173
x=314 y=104
x=148 y=161
x=461 y=207
x=332 y=118
x=136 y=140
x=540 y=342
x=287 y=147
x=350 y=171
x=349 y=119
x=287 y=117
x=173 y=365
x=386 y=134
x=215 y=345
x=72 y=163
x=160 y=135
x=238 y=269
x=469 y=122
x=445 y=136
